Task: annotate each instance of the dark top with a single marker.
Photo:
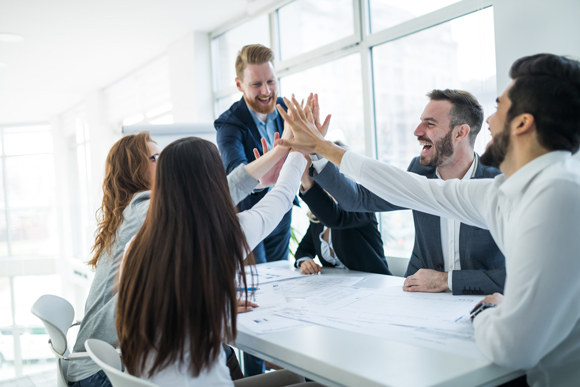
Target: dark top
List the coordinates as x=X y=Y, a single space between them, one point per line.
x=482 y=263
x=237 y=136
x=355 y=236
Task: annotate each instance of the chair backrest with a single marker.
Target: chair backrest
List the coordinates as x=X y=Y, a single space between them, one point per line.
x=56 y=314
x=108 y=359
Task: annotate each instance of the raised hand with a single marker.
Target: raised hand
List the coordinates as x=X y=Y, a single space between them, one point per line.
x=315 y=107
x=306 y=134
x=271 y=177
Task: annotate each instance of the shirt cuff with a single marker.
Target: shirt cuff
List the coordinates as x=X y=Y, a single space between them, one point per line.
x=351 y=165
x=449 y=280
x=319 y=165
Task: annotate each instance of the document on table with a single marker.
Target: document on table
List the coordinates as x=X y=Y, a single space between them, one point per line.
x=438 y=321
x=262 y=321
x=262 y=274
x=266 y=295
x=315 y=284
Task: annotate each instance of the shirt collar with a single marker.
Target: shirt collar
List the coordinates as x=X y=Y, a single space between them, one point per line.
x=470 y=172
x=271 y=117
x=516 y=183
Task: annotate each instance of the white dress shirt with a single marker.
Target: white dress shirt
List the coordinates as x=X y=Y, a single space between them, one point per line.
x=327 y=250
x=450 y=233
x=534 y=216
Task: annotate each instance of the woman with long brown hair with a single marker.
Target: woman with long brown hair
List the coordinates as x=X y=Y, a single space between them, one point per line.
x=129 y=173
x=177 y=292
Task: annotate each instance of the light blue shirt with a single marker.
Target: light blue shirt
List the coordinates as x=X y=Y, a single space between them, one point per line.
x=267 y=129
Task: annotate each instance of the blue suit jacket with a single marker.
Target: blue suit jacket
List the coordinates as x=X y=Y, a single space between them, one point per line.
x=237 y=136
x=355 y=235
x=482 y=263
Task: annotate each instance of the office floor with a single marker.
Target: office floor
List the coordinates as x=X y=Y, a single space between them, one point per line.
x=41 y=379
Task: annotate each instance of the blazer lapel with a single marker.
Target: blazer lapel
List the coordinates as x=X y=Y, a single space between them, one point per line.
x=244 y=115
x=433 y=223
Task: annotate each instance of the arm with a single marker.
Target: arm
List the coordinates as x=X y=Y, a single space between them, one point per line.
x=350 y=195
x=488 y=281
x=331 y=214
x=465 y=201
x=540 y=307
x=258 y=222
x=230 y=144
x=306 y=249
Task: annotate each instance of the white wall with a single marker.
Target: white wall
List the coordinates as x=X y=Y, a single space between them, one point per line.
x=526 y=27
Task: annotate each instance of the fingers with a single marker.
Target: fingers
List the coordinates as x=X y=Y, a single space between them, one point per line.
x=276 y=136
x=324 y=127
x=256 y=153
x=264 y=145
x=308 y=112
x=309 y=267
x=282 y=112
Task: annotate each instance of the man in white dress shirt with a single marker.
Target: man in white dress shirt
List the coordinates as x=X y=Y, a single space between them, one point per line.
x=532 y=212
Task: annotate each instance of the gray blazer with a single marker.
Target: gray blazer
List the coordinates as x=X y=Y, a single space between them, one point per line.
x=482 y=263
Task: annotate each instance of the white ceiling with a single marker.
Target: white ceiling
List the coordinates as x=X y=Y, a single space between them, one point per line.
x=73 y=47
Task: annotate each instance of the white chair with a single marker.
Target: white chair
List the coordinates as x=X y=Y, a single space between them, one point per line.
x=108 y=359
x=57 y=314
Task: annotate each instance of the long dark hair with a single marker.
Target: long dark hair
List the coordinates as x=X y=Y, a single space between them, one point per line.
x=177 y=292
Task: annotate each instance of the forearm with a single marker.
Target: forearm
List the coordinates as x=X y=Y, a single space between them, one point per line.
x=258 y=168
x=330 y=151
x=258 y=222
x=240 y=183
x=465 y=201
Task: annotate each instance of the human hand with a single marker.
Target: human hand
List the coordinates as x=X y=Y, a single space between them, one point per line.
x=495 y=298
x=245 y=306
x=271 y=177
x=312 y=102
x=309 y=267
x=426 y=280
x=306 y=135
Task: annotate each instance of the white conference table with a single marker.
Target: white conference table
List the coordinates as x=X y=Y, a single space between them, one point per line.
x=335 y=357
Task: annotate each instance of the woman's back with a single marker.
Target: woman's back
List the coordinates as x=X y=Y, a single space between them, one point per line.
x=100 y=308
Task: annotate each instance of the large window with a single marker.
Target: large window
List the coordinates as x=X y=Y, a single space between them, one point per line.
x=455 y=55
x=306 y=25
x=339 y=87
x=372 y=63
x=27 y=209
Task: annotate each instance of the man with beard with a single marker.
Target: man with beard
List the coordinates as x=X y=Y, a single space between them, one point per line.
x=447 y=253
x=240 y=129
x=532 y=211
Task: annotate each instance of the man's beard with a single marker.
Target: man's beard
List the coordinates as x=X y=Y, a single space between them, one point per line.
x=443 y=149
x=497 y=149
x=258 y=107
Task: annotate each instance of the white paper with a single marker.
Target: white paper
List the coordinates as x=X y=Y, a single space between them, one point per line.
x=316 y=284
x=263 y=274
x=432 y=320
x=263 y=321
x=266 y=295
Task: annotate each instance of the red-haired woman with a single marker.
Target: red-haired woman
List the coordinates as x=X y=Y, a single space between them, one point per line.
x=129 y=174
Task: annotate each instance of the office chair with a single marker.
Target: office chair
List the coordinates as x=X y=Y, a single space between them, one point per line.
x=57 y=314
x=108 y=359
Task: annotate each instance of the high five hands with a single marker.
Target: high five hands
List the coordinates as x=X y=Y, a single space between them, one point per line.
x=305 y=124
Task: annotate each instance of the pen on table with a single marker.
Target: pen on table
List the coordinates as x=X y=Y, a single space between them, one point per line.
x=249 y=289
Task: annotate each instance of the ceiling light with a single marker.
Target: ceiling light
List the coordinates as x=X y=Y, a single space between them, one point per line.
x=11 y=38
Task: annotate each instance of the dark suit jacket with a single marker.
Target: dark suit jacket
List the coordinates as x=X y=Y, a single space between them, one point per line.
x=355 y=236
x=482 y=263
x=237 y=136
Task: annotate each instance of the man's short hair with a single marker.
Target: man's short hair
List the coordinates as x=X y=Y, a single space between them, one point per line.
x=547 y=86
x=252 y=54
x=466 y=110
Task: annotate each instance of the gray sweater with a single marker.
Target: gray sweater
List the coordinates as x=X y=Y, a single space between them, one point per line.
x=101 y=305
